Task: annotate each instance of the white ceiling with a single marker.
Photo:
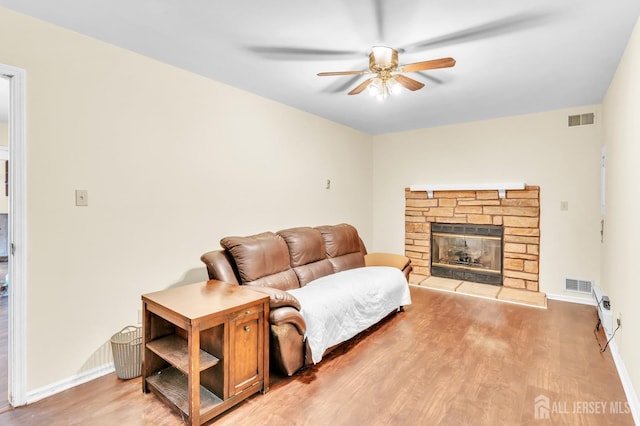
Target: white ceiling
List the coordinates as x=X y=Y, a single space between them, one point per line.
x=513 y=57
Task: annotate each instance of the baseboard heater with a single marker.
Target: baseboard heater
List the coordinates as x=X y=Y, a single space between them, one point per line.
x=604 y=310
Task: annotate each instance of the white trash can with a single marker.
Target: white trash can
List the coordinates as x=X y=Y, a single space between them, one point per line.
x=126 y=346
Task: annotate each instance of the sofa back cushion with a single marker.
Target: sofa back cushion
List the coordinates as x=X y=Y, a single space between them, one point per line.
x=262 y=259
x=343 y=246
x=307 y=253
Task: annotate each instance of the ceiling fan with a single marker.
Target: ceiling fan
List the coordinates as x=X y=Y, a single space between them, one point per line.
x=387 y=76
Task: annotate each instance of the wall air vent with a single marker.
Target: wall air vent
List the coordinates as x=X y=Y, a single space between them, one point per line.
x=582 y=119
x=578 y=286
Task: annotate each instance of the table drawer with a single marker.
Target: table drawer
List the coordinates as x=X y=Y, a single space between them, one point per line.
x=246 y=312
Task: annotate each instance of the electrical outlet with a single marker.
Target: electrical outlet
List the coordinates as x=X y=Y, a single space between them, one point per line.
x=82 y=197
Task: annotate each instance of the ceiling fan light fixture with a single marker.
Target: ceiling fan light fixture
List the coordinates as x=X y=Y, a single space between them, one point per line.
x=386 y=77
x=383 y=87
x=383 y=58
x=385 y=92
x=376 y=87
x=394 y=87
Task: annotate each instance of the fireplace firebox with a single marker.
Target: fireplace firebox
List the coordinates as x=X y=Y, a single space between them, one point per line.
x=467 y=252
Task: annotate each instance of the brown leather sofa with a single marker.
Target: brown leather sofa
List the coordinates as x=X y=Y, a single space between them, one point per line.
x=289 y=259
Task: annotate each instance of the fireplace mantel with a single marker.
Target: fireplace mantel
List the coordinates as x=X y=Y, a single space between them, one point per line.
x=500 y=187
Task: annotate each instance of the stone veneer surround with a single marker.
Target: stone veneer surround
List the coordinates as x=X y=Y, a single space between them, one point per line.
x=518 y=213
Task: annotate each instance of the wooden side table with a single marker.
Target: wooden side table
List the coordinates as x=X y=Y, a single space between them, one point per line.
x=206 y=347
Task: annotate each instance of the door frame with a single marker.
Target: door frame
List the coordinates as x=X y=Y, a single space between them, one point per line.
x=17 y=234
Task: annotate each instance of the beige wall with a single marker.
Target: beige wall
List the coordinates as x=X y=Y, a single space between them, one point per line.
x=621 y=251
x=172 y=162
x=538 y=149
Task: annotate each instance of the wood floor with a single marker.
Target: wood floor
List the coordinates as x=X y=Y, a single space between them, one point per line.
x=448 y=359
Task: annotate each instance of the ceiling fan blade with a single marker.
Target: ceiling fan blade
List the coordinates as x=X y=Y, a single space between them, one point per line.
x=428 y=65
x=408 y=83
x=368 y=19
x=501 y=26
x=431 y=78
x=302 y=53
x=361 y=87
x=330 y=73
x=379 y=18
x=341 y=85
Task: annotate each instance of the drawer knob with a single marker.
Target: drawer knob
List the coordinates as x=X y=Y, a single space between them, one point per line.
x=247 y=328
x=247 y=312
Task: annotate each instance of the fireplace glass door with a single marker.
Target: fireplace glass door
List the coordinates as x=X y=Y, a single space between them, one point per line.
x=459 y=254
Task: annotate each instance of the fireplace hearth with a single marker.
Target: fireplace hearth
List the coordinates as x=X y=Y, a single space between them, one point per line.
x=467 y=252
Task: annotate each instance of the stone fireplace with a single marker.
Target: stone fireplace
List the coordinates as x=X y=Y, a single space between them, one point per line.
x=509 y=219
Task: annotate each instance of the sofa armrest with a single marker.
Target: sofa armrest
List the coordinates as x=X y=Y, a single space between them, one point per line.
x=387 y=259
x=283 y=308
x=220 y=266
x=288 y=315
x=278 y=298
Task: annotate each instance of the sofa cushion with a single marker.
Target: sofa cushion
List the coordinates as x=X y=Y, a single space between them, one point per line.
x=342 y=245
x=340 y=239
x=285 y=280
x=341 y=305
x=307 y=253
x=262 y=259
x=347 y=261
x=305 y=245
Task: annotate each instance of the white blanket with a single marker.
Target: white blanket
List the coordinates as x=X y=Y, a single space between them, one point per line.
x=339 y=306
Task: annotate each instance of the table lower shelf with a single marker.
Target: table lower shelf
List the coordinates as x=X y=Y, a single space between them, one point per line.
x=175 y=350
x=174 y=386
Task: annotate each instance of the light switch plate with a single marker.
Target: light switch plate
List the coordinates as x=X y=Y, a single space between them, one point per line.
x=82 y=197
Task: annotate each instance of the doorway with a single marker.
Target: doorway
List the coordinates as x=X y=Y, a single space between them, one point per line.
x=12 y=97
x=4 y=238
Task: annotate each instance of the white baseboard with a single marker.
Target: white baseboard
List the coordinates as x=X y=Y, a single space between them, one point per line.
x=572 y=299
x=62 y=385
x=630 y=392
